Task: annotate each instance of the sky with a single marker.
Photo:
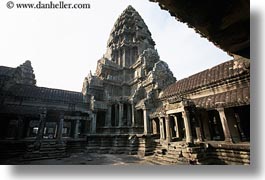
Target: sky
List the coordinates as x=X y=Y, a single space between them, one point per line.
x=64 y=45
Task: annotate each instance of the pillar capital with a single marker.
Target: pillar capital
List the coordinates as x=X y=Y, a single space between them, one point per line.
x=220 y=109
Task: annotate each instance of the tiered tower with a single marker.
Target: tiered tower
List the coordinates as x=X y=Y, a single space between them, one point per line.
x=128 y=78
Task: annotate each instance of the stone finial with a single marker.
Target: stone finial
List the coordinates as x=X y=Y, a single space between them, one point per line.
x=25 y=74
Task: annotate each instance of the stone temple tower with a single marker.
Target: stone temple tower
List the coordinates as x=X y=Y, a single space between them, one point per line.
x=127 y=80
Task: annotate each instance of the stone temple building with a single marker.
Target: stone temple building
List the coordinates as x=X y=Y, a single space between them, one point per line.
x=128 y=79
x=132 y=104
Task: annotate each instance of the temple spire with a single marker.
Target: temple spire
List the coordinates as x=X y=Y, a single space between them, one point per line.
x=129 y=37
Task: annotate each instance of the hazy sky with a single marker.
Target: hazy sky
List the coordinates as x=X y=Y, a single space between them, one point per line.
x=64 y=45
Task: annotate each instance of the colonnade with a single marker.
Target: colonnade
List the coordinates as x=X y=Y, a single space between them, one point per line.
x=179 y=126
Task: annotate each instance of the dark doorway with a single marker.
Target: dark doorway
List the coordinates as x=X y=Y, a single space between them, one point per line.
x=242 y=115
x=215 y=125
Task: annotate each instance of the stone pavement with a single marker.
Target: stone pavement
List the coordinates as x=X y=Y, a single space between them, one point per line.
x=93 y=159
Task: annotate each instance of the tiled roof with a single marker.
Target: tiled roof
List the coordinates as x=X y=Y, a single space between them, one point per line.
x=18 y=109
x=219 y=73
x=237 y=97
x=46 y=94
x=6 y=71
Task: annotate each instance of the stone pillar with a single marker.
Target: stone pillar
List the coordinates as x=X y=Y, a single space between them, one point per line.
x=108 y=117
x=232 y=124
x=146 y=121
x=94 y=123
x=116 y=114
x=198 y=134
x=133 y=117
x=161 y=128
x=177 y=126
x=76 y=132
x=20 y=128
x=225 y=125
x=60 y=128
x=129 y=117
x=168 y=133
x=120 y=114
x=186 y=118
x=205 y=124
x=41 y=124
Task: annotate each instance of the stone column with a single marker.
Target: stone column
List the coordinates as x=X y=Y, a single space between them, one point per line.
x=225 y=125
x=168 y=133
x=94 y=123
x=41 y=124
x=198 y=134
x=177 y=126
x=205 y=124
x=120 y=114
x=133 y=117
x=232 y=124
x=116 y=114
x=186 y=118
x=108 y=117
x=146 y=121
x=161 y=128
x=60 y=128
x=20 y=128
x=76 y=132
x=129 y=117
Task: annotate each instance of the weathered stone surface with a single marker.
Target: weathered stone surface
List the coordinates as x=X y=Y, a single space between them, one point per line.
x=129 y=74
x=132 y=105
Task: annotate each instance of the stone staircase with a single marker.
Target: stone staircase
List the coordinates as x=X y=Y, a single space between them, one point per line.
x=45 y=150
x=11 y=150
x=112 y=144
x=232 y=154
x=168 y=154
x=75 y=146
x=121 y=144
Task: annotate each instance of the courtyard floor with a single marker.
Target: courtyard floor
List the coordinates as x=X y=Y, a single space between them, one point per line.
x=92 y=159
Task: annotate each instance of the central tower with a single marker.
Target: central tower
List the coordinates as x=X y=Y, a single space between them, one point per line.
x=128 y=39
x=128 y=79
